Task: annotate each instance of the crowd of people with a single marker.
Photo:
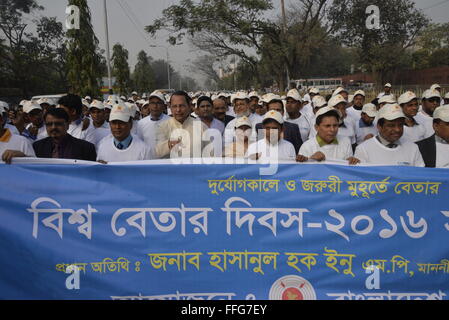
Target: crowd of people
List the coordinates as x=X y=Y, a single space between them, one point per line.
x=405 y=130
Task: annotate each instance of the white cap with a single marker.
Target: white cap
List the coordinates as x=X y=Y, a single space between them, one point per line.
x=360 y=92
x=446 y=96
x=314 y=91
x=351 y=98
x=141 y=101
x=389 y=98
x=144 y=96
x=391 y=112
x=429 y=94
x=123 y=98
x=4 y=105
x=253 y=94
x=327 y=110
x=319 y=102
x=407 y=97
x=272 y=97
x=370 y=109
x=242 y=121
x=159 y=95
x=120 y=112
x=85 y=102
x=87 y=98
x=239 y=96
x=335 y=100
x=275 y=115
x=294 y=94
x=108 y=105
x=42 y=101
x=132 y=108
x=97 y=104
x=388 y=85
x=112 y=100
x=435 y=86
x=338 y=91
x=23 y=102
x=30 y=106
x=442 y=113
x=134 y=93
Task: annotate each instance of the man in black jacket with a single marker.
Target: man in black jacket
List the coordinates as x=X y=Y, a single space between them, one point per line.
x=60 y=144
x=291 y=130
x=435 y=150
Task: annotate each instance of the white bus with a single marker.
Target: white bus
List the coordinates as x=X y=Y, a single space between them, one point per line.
x=323 y=84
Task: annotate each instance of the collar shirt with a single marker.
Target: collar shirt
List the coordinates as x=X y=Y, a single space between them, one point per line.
x=189 y=133
x=339 y=149
x=76 y=131
x=15 y=142
x=427 y=121
x=282 y=151
x=304 y=124
x=378 y=151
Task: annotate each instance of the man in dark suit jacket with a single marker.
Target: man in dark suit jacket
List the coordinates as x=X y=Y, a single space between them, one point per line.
x=60 y=144
x=291 y=130
x=435 y=150
x=428 y=149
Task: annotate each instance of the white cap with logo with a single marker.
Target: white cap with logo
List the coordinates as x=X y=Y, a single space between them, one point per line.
x=389 y=98
x=294 y=94
x=271 y=97
x=274 y=115
x=253 y=94
x=407 y=97
x=370 y=109
x=429 y=94
x=326 y=110
x=391 y=112
x=360 y=93
x=239 y=96
x=120 y=112
x=335 y=100
x=97 y=104
x=387 y=85
x=30 y=106
x=319 y=102
x=435 y=86
x=314 y=91
x=338 y=91
x=242 y=121
x=159 y=95
x=442 y=113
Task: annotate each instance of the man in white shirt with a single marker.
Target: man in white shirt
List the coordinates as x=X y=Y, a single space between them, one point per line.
x=355 y=111
x=325 y=145
x=387 y=147
x=365 y=127
x=413 y=130
x=204 y=110
x=79 y=128
x=272 y=147
x=97 y=114
x=240 y=101
x=33 y=114
x=430 y=101
x=122 y=146
x=295 y=115
x=147 y=127
x=387 y=91
x=12 y=145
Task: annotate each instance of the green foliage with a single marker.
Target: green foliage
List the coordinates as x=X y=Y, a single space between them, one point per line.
x=83 y=57
x=120 y=69
x=143 y=76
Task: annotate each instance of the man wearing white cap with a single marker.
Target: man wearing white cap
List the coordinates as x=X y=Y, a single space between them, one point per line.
x=294 y=115
x=387 y=91
x=134 y=96
x=386 y=99
x=181 y=135
x=239 y=148
x=325 y=145
x=347 y=125
x=413 y=130
x=240 y=101
x=341 y=91
x=365 y=127
x=354 y=112
x=435 y=150
x=431 y=99
x=253 y=101
x=78 y=128
x=272 y=147
x=12 y=145
x=308 y=108
x=387 y=148
x=122 y=146
x=101 y=127
x=147 y=127
x=33 y=114
x=291 y=131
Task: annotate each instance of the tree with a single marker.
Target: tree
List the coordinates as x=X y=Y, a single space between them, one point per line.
x=432 y=47
x=83 y=58
x=382 y=51
x=120 y=68
x=160 y=73
x=143 y=76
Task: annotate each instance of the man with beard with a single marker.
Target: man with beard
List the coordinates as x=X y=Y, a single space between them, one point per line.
x=60 y=144
x=355 y=111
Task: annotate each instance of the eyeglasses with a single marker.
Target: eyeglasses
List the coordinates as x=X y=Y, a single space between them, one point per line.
x=55 y=124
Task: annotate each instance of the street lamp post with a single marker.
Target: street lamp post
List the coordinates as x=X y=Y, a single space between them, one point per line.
x=168 y=63
x=107 y=47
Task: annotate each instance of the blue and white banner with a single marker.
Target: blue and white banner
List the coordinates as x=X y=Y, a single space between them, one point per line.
x=187 y=232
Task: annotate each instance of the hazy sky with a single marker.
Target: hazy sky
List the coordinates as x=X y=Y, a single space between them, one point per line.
x=128 y=17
